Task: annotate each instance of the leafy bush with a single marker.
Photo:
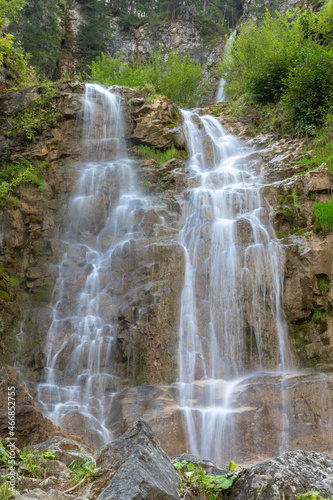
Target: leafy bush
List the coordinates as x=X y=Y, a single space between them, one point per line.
x=16 y=173
x=16 y=64
x=323 y=214
x=261 y=57
x=308 y=88
x=175 y=76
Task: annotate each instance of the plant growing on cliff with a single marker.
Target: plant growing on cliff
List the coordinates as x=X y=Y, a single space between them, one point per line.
x=323 y=215
x=37 y=116
x=314 y=495
x=83 y=469
x=176 y=76
x=196 y=478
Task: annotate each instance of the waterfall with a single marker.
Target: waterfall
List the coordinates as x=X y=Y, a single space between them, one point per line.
x=81 y=340
x=220 y=94
x=231 y=300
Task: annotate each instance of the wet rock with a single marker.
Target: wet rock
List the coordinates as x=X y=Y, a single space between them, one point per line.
x=86 y=427
x=158 y=407
x=65 y=450
x=285 y=477
x=137 y=467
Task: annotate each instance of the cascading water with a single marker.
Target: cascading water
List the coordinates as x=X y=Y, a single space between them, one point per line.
x=103 y=220
x=232 y=291
x=220 y=94
x=232 y=336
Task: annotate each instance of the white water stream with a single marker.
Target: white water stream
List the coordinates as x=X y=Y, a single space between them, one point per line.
x=105 y=216
x=233 y=286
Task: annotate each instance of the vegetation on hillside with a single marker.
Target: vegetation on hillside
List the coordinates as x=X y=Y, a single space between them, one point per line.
x=178 y=77
x=285 y=61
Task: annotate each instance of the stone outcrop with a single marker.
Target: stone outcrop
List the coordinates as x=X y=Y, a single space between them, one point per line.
x=285 y=477
x=135 y=466
x=31 y=426
x=64 y=449
x=176 y=35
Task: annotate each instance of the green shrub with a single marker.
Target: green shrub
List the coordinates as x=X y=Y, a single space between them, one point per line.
x=175 y=76
x=323 y=214
x=16 y=64
x=261 y=57
x=308 y=87
x=37 y=116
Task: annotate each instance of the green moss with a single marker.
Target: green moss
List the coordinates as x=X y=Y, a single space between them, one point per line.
x=319 y=317
x=4 y=296
x=324 y=285
x=280 y=234
x=3 y=286
x=160 y=156
x=43 y=294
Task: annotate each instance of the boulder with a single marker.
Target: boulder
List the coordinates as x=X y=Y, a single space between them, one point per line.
x=285 y=477
x=135 y=467
x=65 y=450
x=30 y=424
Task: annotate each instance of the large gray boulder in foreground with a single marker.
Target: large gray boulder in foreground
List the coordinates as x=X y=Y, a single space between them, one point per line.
x=137 y=467
x=285 y=477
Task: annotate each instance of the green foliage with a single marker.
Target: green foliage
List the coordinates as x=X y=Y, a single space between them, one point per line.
x=285 y=61
x=178 y=77
x=324 y=285
x=210 y=31
x=308 y=88
x=261 y=57
x=4 y=456
x=16 y=64
x=95 y=32
x=323 y=215
x=85 y=468
x=131 y=20
x=9 y=10
x=38 y=31
x=16 y=173
x=161 y=157
x=37 y=116
x=312 y=496
x=193 y=477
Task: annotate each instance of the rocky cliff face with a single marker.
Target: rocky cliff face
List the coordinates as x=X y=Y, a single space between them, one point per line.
x=151 y=273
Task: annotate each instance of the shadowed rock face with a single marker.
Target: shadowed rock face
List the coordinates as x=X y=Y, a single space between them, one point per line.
x=135 y=466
